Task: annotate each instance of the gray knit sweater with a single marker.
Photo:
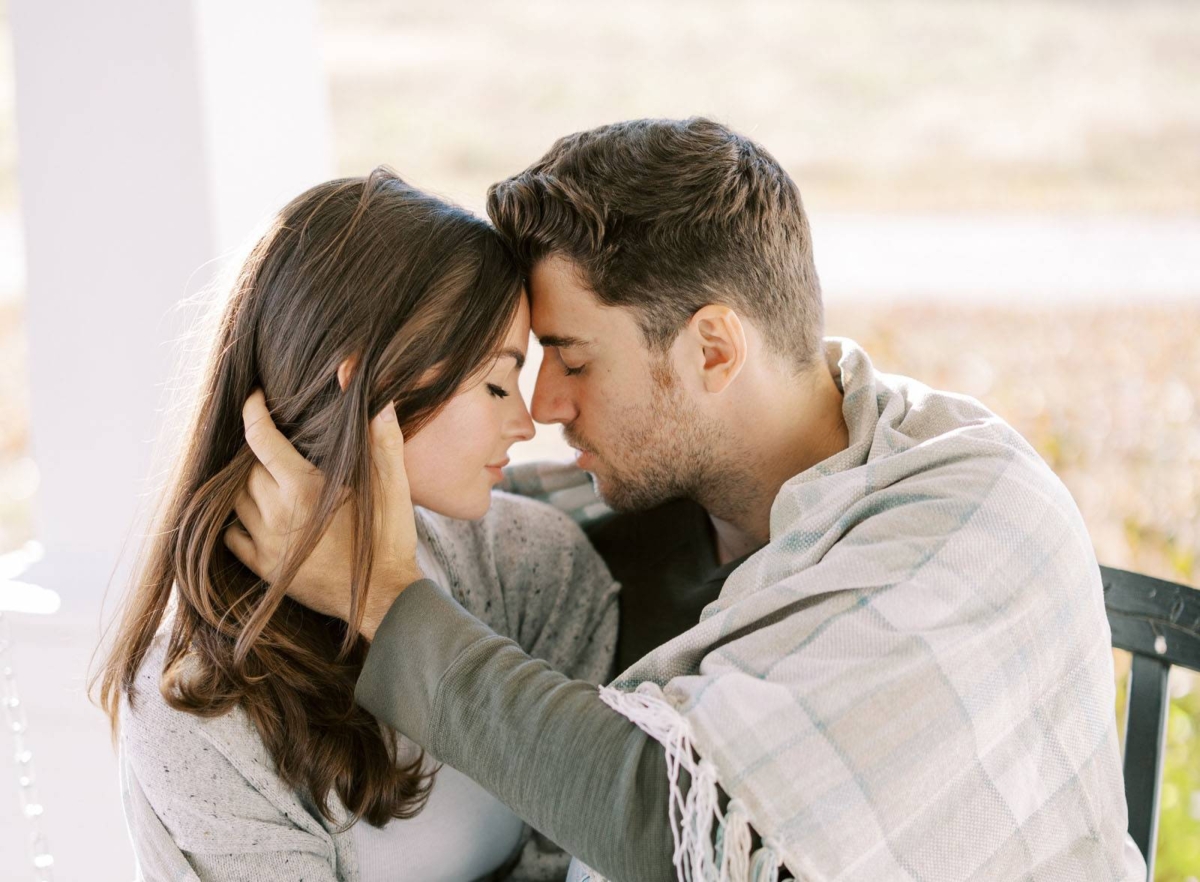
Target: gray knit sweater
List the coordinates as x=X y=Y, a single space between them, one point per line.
x=201 y=797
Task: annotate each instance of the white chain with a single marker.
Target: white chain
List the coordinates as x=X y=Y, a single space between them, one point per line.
x=16 y=723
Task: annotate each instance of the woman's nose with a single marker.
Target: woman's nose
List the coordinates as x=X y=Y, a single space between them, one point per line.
x=521 y=427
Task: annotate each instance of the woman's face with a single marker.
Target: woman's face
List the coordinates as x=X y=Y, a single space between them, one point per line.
x=454 y=461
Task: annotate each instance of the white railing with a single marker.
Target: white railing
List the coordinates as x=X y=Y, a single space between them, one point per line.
x=23 y=597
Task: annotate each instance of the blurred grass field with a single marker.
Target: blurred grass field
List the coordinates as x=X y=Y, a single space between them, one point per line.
x=1061 y=105
x=911 y=106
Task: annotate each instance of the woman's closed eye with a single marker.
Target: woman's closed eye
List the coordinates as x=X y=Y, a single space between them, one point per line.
x=497 y=391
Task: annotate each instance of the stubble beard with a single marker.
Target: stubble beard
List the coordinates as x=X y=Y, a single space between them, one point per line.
x=664 y=451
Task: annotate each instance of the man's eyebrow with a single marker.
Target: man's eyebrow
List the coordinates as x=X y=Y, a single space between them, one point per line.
x=516 y=354
x=561 y=342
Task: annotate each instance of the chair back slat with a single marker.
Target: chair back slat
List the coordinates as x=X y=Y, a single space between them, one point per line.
x=1159 y=623
x=1145 y=733
x=1153 y=617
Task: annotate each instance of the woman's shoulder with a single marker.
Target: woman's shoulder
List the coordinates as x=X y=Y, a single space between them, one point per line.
x=516 y=534
x=480 y=558
x=507 y=510
x=150 y=724
x=145 y=711
x=210 y=779
x=513 y=513
x=519 y=565
x=562 y=592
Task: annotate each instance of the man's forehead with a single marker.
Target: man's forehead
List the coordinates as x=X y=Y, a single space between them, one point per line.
x=567 y=314
x=564 y=311
x=557 y=272
x=564 y=327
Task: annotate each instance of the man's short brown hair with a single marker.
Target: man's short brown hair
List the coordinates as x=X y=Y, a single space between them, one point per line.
x=666 y=216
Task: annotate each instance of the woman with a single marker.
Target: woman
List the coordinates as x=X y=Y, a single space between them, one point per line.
x=243 y=752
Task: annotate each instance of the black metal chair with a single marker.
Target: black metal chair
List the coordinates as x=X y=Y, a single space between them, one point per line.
x=1159 y=623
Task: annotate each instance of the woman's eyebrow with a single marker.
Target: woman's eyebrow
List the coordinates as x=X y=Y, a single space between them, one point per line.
x=561 y=342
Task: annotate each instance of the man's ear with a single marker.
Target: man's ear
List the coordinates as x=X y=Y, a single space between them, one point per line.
x=346 y=370
x=721 y=338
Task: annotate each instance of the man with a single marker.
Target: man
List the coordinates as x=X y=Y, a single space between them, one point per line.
x=904 y=670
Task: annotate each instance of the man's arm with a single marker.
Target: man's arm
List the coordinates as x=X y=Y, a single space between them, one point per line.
x=547 y=746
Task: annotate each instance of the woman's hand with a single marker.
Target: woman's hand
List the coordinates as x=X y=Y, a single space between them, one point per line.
x=281 y=496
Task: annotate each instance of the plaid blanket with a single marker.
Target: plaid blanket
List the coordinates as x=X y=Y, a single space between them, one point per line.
x=913 y=680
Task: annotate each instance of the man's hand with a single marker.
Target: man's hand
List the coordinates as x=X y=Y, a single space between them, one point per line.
x=280 y=498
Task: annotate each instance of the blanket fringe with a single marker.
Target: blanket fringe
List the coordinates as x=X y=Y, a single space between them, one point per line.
x=765 y=866
x=692 y=816
x=733 y=844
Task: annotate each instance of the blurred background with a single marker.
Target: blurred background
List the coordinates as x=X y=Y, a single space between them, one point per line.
x=1005 y=201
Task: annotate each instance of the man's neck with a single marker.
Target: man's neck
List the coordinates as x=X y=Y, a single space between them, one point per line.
x=793 y=430
x=730 y=541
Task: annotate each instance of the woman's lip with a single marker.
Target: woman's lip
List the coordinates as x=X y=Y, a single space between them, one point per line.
x=499 y=465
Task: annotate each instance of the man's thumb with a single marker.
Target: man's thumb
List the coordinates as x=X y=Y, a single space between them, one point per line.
x=387 y=443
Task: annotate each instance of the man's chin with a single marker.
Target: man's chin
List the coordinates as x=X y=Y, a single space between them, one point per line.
x=603 y=485
x=621 y=496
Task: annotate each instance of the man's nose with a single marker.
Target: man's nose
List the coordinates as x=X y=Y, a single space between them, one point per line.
x=550 y=403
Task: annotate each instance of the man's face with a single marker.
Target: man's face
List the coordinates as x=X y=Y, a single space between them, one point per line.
x=621 y=405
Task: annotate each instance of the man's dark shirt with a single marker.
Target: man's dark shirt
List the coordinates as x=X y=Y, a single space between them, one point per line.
x=666 y=561
x=477 y=702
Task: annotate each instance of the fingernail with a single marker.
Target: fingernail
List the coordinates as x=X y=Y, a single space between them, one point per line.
x=388 y=414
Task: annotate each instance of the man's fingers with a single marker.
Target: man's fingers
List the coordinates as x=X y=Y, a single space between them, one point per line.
x=262 y=488
x=387 y=446
x=238 y=541
x=248 y=514
x=272 y=448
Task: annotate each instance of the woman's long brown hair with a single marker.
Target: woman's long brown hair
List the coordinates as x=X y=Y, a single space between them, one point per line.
x=421 y=293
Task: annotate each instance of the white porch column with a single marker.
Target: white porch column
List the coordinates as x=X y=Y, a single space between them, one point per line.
x=152 y=138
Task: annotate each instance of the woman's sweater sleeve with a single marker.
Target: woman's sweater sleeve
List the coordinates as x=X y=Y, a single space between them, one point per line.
x=544 y=744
